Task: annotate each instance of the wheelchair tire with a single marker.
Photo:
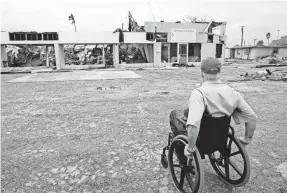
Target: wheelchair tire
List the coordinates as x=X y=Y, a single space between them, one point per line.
x=195 y=180
x=217 y=164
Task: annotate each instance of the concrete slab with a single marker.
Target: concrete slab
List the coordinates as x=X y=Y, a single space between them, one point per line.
x=77 y=75
x=42 y=70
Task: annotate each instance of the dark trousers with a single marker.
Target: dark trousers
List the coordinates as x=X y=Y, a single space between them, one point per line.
x=176 y=126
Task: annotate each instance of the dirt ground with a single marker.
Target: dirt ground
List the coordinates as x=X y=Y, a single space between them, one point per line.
x=71 y=136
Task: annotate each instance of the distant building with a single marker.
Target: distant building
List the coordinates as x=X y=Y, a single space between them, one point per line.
x=277 y=47
x=188 y=42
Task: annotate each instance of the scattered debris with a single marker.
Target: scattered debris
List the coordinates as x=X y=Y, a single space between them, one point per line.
x=267 y=74
x=282 y=168
x=270 y=61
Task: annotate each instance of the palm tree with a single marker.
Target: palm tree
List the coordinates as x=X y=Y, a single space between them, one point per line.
x=268 y=35
x=73 y=21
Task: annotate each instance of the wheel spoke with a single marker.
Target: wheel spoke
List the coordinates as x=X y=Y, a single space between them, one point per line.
x=234 y=153
x=229 y=144
x=235 y=167
x=182 y=175
x=189 y=180
x=226 y=166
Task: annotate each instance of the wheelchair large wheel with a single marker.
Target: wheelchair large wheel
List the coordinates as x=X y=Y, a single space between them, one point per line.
x=187 y=177
x=233 y=166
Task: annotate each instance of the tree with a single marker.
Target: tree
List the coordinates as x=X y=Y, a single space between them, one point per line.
x=193 y=19
x=268 y=35
x=260 y=43
x=73 y=21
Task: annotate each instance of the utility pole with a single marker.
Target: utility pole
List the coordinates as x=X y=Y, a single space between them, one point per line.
x=122 y=26
x=254 y=41
x=242 y=31
x=278 y=31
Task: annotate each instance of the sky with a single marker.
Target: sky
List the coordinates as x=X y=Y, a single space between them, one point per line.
x=259 y=17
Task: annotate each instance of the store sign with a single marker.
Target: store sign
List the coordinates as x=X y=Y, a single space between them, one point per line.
x=182 y=35
x=216 y=30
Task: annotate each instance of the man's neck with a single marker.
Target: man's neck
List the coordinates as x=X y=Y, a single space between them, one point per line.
x=212 y=81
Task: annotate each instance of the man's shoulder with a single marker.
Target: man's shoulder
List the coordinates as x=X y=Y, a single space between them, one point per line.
x=222 y=88
x=221 y=85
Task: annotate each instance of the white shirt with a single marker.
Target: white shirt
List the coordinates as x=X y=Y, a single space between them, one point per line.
x=218 y=100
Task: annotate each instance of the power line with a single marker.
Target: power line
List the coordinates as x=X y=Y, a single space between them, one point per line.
x=151 y=11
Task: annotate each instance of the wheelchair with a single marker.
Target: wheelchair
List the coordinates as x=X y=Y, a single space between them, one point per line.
x=217 y=140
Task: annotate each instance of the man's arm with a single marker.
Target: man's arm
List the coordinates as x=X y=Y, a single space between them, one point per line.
x=249 y=132
x=196 y=109
x=244 y=114
x=192 y=137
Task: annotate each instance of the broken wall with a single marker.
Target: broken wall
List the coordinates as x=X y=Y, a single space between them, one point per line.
x=256 y=52
x=208 y=50
x=282 y=52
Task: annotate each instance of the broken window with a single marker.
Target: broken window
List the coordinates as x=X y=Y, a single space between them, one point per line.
x=34 y=36
x=17 y=37
x=45 y=36
x=29 y=36
x=39 y=36
x=218 y=50
x=275 y=51
x=55 y=36
x=149 y=36
x=194 y=52
x=136 y=53
x=11 y=36
x=50 y=36
x=23 y=36
x=161 y=37
x=210 y=39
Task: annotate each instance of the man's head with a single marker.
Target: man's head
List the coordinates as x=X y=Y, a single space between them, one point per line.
x=210 y=69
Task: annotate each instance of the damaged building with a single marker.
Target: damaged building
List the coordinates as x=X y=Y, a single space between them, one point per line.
x=155 y=44
x=188 y=43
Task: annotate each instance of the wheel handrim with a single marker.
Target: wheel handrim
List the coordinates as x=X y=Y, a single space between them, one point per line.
x=227 y=165
x=185 y=181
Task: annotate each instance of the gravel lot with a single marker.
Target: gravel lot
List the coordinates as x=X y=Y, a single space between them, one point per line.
x=71 y=136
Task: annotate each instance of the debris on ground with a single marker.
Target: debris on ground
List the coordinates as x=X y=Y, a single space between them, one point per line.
x=270 y=61
x=282 y=168
x=277 y=75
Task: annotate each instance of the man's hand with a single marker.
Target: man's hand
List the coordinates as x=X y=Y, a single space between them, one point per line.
x=244 y=141
x=187 y=151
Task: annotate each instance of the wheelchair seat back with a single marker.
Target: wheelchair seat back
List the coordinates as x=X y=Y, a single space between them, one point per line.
x=213 y=134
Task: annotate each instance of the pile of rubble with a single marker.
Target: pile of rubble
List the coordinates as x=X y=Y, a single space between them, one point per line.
x=277 y=75
x=270 y=60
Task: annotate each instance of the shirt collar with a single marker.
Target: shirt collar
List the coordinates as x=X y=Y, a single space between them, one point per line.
x=212 y=82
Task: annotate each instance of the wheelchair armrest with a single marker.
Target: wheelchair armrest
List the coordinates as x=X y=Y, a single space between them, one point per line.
x=181 y=120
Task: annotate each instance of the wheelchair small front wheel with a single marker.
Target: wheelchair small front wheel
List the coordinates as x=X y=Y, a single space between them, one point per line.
x=164 y=161
x=187 y=177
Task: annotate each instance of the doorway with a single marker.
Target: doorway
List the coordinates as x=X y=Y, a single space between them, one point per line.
x=182 y=53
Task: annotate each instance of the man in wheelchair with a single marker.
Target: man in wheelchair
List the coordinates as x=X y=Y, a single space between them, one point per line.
x=211 y=106
x=218 y=100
